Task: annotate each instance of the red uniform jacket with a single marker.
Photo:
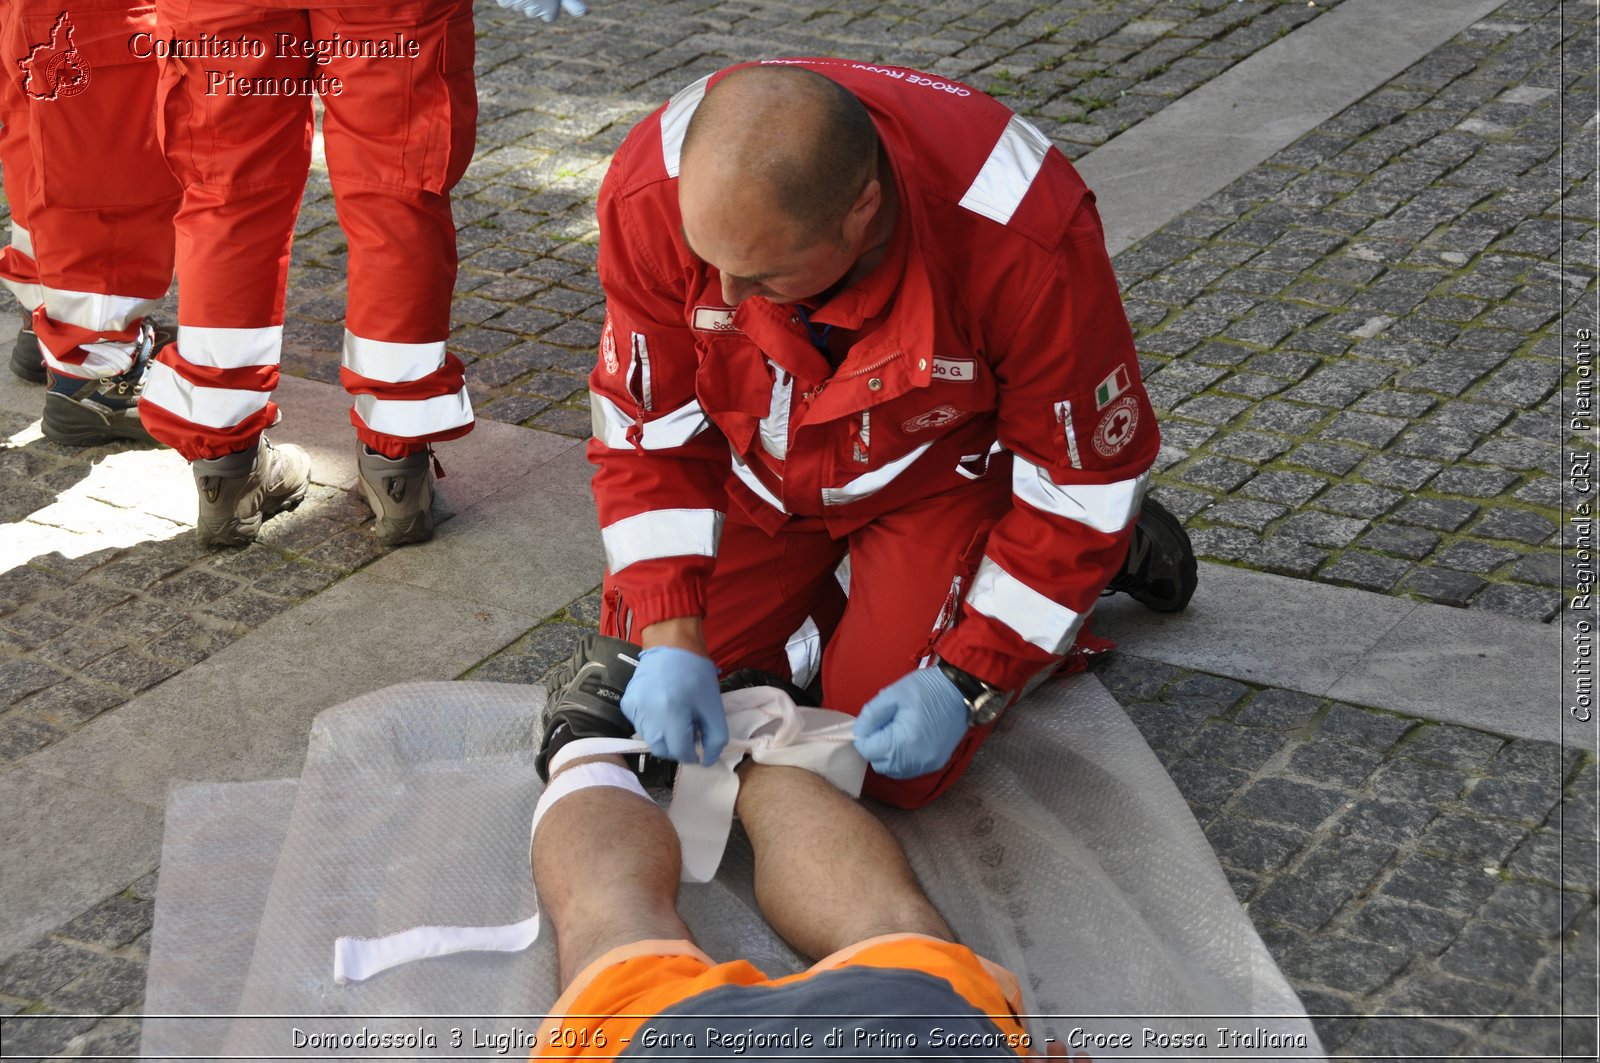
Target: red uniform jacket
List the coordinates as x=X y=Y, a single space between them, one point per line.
x=991 y=341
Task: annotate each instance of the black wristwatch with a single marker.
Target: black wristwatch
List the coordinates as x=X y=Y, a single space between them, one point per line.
x=984 y=700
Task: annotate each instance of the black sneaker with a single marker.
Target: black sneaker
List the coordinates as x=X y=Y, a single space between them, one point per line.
x=26 y=361
x=755 y=677
x=86 y=413
x=1160 y=570
x=583 y=699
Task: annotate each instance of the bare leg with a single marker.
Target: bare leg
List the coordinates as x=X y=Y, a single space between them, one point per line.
x=606 y=863
x=828 y=874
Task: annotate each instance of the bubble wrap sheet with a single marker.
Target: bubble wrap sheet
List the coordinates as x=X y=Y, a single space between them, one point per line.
x=1065 y=853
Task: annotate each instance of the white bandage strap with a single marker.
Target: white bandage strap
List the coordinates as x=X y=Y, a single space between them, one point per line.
x=763 y=723
x=357 y=959
x=583 y=777
x=766 y=725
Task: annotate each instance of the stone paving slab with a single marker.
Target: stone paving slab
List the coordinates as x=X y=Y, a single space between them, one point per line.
x=1422 y=660
x=68 y=843
x=1198 y=144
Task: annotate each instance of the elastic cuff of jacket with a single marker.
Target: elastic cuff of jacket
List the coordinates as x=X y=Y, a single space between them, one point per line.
x=1001 y=670
x=647 y=609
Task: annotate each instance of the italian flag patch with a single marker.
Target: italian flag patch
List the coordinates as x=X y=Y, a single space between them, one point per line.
x=1111 y=387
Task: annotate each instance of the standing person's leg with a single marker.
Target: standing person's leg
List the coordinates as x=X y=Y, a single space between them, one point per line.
x=18 y=271
x=399 y=133
x=101 y=238
x=242 y=160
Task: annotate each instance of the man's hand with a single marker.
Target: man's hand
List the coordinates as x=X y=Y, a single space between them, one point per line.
x=673 y=699
x=913 y=725
x=547 y=10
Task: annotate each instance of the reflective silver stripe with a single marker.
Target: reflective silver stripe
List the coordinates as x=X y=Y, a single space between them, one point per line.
x=208 y=407
x=748 y=477
x=661 y=533
x=997 y=593
x=414 y=418
x=1104 y=507
x=998 y=189
x=392 y=363
x=100 y=360
x=775 y=425
x=641 y=358
x=804 y=650
x=95 y=311
x=1064 y=419
x=675 y=122
x=611 y=425
x=21 y=239
x=870 y=483
x=230 y=348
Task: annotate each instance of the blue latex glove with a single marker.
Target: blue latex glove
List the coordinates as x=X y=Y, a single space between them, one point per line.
x=913 y=725
x=673 y=699
x=547 y=10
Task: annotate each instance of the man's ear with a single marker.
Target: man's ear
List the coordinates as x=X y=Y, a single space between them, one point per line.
x=859 y=218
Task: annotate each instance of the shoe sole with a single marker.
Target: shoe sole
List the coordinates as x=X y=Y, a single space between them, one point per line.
x=74 y=428
x=419 y=529
x=33 y=374
x=1188 y=568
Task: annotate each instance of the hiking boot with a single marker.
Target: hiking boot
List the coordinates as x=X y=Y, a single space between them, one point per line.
x=86 y=413
x=238 y=491
x=400 y=492
x=26 y=361
x=584 y=700
x=1160 y=570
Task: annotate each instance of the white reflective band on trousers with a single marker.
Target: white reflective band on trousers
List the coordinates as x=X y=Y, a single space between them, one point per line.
x=393 y=363
x=30 y=296
x=210 y=407
x=414 y=418
x=763 y=723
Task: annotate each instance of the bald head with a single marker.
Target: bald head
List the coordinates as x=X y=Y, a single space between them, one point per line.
x=780 y=139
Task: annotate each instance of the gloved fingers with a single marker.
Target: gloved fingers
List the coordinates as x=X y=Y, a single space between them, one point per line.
x=575 y=8
x=677 y=741
x=713 y=734
x=876 y=714
x=877 y=748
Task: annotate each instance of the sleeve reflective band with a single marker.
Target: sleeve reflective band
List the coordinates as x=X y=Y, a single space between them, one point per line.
x=1106 y=508
x=661 y=533
x=1035 y=618
x=611 y=423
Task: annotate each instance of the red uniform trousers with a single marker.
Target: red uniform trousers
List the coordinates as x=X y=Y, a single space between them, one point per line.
x=398 y=128
x=90 y=194
x=904 y=572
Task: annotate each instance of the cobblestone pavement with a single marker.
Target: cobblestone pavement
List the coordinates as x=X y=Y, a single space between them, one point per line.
x=1354 y=347
x=1357 y=343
